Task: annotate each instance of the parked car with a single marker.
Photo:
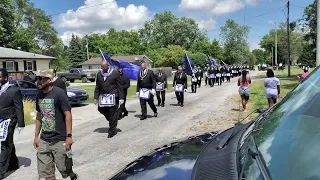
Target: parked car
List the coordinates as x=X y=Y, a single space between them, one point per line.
x=280 y=143
x=77 y=74
x=29 y=91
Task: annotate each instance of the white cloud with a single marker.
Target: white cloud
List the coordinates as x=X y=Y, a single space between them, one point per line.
x=99 y=16
x=215 y=7
x=208 y=24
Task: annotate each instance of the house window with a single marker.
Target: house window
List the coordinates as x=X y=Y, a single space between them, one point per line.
x=29 y=66
x=90 y=67
x=10 y=66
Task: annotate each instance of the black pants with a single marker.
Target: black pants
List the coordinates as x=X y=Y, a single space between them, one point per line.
x=194 y=86
x=222 y=78
x=228 y=78
x=219 y=81
x=212 y=81
x=123 y=108
x=180 y=97
x=199 y=82
x=8 y=158
x=161 y=96
x=206 y=80
x=143 y=105
x=112 y=115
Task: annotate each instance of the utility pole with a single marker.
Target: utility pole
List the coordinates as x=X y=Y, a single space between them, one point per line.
x=272 y=56
x=318 y=33
x=276 y=45
x=288 y=38
x=87 y=46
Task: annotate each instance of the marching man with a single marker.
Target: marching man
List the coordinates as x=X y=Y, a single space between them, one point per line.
x=146 y=86
x=161 y=86
x=180 y=85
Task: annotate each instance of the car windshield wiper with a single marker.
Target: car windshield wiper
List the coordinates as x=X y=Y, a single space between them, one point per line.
x=256 y=155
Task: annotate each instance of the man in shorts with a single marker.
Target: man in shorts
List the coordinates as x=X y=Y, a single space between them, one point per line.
x=55 y=120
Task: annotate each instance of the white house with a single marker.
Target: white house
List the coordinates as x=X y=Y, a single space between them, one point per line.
x=18 y=61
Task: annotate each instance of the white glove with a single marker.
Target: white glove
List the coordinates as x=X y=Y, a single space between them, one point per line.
x=185 y=90
x=153 y=92
x=121 y=101
x=137 y=93
x=20 y=129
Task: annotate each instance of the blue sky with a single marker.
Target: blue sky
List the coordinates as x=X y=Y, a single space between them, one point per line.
x=99 y=15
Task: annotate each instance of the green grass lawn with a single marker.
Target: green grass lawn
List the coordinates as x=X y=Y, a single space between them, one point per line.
x=131 y=91
x=295 y=71
x=257 y=92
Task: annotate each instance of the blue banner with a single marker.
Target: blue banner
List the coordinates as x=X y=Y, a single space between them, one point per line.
x=211 y=61
x=129 y=69
x=188 y=65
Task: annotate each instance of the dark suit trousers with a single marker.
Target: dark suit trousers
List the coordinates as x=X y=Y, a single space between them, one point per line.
x=111 y=114
x=8 y=157
x=143 y=105
x=194 y=86
x=161 y=96
x=206 y=80
x=199 y=82
x=123 y=108
x=212 y=81
x=180 y=97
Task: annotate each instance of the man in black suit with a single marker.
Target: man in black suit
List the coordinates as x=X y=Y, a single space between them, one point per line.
x=108 y=95
x=180 y=80
x=125 y=82
x=146 y=86
x=58 y=82
x=200 y=76
x=162 y=85
x=194 y=80
x=11 y=107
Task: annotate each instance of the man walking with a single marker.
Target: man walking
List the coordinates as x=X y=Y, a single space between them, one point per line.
x=125 y=83
x=11 y=114
x=194 y=80
x=146 y=86
x=108 y=95
x=212 y=76
x=180 y=85
x=58 y=82
x=161 y=86
x=200 y=76
x=54 y=121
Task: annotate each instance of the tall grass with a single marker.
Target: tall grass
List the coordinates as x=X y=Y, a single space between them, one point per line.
x=29 y=111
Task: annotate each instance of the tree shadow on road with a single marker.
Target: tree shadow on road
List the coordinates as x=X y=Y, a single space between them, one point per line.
x=139 y=116
x=174 y=104
x=104 y=130
x=234 y=109
x=25 y=162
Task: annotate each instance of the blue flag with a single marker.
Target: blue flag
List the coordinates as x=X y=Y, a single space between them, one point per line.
x=129 y=69
x=188 y=65
x=211 y=61
x=112 y=63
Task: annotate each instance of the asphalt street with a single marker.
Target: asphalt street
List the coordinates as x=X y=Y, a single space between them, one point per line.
x=98 y=158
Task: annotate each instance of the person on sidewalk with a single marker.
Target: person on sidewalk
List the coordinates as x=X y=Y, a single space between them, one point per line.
x=11 y=114
x=304 y=75
x=243 y=82
x=228 y=73
x=218 y=76
x=212 y=76
x=272 y=85
x=162 y=85
x=108 y=95
x=146 y=86
x=54 y=121
x=58 y=82
x=194 y=80
x=180 y=85
x=125 y=83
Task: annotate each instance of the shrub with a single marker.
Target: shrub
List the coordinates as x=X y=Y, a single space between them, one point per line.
x=29 y=111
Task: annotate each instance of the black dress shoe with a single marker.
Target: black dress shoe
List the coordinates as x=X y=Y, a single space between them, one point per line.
x=181 y=105
x=143 y=118
x=111 y=134
x=125 y=114
x=155 y=114
x=162 y=105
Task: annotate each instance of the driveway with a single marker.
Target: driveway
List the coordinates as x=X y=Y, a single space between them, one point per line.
x=98 y=158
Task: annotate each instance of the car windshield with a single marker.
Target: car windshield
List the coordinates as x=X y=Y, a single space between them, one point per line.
x=289 y=136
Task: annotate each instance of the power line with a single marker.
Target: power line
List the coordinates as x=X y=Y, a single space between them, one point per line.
x=269 y=12
x=297 y=6
x=87 y=7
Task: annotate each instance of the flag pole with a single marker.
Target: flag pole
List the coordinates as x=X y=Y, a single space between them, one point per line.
x=189 y=61
x=102 y=55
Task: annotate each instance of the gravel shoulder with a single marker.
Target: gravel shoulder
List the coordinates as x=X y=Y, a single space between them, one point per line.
x=97 y=157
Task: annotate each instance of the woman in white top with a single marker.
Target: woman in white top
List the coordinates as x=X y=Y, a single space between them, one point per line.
x=272 y=85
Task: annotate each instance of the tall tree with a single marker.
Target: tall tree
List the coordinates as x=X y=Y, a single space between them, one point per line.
x=261 y=56
x=7 y=26
x=236 y=47
x=76 y=51
x=167 y=29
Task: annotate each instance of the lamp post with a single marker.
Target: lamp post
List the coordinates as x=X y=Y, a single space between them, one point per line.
x=276 y=45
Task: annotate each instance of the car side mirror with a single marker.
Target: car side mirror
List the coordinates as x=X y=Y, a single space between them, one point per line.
x=261 y=110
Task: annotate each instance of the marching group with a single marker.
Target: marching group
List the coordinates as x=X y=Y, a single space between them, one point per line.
x=53 y=131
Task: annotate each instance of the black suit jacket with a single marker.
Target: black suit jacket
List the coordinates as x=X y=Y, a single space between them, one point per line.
x=148 y=82
x=162 y=78
x=125 y=83
x=111 y=85
x=60 y=84
x=11 y=106
x=180 y=80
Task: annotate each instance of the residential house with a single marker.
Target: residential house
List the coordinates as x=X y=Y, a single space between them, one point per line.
x=95 y=63
x=16 y=62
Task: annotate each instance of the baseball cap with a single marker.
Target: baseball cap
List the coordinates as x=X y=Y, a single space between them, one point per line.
x=45 y=73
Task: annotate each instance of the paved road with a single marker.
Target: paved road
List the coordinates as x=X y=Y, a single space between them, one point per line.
x=97 y=158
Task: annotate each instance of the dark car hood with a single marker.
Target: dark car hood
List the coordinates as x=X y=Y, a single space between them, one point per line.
x=171 y=162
